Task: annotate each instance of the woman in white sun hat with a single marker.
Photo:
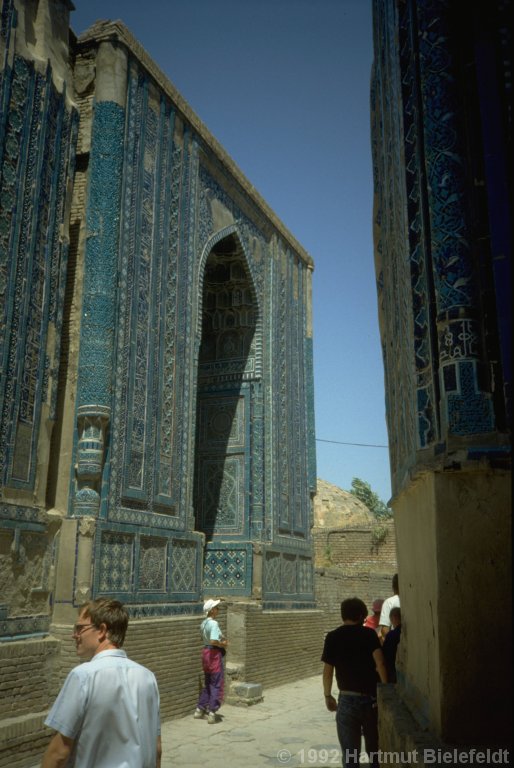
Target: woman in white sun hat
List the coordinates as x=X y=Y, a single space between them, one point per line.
x=214 y=645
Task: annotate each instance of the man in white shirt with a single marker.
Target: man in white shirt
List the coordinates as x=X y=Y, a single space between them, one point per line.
x=384 y=623
x=107 y=712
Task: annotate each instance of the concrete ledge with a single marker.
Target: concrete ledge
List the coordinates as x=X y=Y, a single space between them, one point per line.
x=399 y=733
x=245 y=694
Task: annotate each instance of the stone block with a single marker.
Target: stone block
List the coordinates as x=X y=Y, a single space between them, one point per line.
x=245 y=693
x=248 y=690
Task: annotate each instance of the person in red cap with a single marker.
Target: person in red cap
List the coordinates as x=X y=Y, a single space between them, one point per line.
x=373 y=618
x=214 y=645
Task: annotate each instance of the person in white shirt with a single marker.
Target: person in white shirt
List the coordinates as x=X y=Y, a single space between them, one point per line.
x=107 y=712
x=384 y=624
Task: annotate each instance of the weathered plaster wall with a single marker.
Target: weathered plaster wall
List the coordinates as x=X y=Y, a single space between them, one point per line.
x=42 y=35
x=454 y=562
x=418 y=657
x=26 y=573
x=474 y=537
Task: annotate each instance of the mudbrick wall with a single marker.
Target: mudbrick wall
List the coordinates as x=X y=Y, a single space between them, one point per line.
x=373 y=546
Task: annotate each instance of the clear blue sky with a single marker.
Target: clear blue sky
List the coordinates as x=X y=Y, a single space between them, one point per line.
x=284 y=86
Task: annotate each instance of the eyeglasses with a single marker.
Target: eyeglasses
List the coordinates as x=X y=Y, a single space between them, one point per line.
x=78 y=629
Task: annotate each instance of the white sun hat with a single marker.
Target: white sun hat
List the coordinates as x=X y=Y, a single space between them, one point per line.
x=209 y=605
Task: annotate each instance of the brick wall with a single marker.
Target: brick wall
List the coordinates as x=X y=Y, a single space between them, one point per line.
x=333 y=585
x=349 y=547
x=374 y=547
x=171 y=648
x=67 y=655
x=353 y=562
x=275 y=647
x=23 y=741
x=27 y=684
x=32 y=673
x=26 y=679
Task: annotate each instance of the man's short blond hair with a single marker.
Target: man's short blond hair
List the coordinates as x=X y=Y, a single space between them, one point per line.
x=110 y=612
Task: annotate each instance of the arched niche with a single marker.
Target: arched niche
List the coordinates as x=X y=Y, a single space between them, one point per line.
x=228 y=361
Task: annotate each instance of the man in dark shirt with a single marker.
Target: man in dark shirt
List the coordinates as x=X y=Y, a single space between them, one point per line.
x=354 y=652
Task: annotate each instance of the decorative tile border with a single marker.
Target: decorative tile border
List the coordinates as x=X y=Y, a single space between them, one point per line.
x=284 y=605
x=23 y=516
x=146 y=611
x=21 y=627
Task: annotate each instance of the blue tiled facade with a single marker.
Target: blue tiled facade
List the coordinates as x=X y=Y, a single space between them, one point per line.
x=37 y=138
x=193 y=441
x=441 y=161
x=38 y=129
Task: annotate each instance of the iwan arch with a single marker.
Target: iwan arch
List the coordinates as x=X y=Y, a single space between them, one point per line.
x=229 y=367
x=157 y=387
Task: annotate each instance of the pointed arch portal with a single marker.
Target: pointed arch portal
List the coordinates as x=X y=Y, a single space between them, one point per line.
x=226 y=366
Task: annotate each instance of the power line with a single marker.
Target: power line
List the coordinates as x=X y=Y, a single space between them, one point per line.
x=361 y=445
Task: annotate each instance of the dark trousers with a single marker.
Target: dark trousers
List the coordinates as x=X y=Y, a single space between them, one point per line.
x=357 y=715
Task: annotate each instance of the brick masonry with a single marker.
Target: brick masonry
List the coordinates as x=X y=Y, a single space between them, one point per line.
x=282 y=646
x=27 y=684
x=333 y=585
x=26 y=681
x=373 y=546
x=355 y=553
